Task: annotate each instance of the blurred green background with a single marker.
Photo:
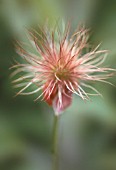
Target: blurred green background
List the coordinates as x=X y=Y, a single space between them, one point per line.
x=87 y=130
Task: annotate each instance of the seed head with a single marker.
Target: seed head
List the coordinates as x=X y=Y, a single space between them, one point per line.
x=60 y=67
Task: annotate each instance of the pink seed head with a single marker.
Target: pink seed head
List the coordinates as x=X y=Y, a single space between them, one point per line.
x=59 y=68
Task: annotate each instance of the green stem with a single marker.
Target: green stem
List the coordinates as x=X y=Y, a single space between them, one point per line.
x=55 y=143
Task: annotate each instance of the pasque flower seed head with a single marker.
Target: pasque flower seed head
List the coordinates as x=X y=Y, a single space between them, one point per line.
x=60 y=67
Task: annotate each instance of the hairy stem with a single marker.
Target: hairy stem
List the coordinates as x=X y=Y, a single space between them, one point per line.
x=55 y=143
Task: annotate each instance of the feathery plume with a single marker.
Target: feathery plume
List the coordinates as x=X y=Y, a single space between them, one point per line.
x=60 y=68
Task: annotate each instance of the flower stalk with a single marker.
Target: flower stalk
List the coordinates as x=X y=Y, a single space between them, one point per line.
x=55 y=143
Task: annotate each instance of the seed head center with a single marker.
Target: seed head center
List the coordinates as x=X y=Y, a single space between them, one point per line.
x=62 y=73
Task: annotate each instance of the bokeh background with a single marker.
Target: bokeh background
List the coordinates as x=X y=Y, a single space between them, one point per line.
x=87 y=130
